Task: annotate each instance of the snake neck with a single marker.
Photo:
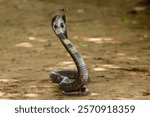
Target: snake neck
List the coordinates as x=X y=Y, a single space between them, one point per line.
x=79 y=62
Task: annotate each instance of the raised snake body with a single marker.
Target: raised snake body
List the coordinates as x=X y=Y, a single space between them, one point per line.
x=71 y=82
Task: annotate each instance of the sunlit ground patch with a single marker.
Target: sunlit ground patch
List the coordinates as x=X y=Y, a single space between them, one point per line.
x=48 y=68
x=46 y=86
x=111 y=66
x=124 y=56
x=67 y=65
x=31 y=38
x=105 y=67
x=25 y=68
x=133 y=58
x=139 y=8
x=121 y=98
x=132 y=73
x=24 y=44
x=101 y=40
x=31 y=95
x=33 y=86
x=121 y=54
x=80 y=10
x=99 y=69
x=75 y=37
x=85 y=57
x=8 y=80
x=43 y=86
x=4 y=80
x=1 y=93
x=12 y=94
x=67 y=62
x=37 y=39
x=94 y=94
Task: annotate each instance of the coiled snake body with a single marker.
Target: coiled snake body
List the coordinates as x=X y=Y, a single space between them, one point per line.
x=71 y=82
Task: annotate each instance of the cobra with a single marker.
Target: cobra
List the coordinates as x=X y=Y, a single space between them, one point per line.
x=70 y=82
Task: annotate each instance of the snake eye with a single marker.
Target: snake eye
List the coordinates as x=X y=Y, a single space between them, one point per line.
x=55 y=26
x=62 y=25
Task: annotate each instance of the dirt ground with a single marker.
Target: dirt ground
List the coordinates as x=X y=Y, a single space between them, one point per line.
x=114 y=43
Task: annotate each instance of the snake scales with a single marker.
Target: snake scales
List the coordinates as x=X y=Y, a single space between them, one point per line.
x=70 y=82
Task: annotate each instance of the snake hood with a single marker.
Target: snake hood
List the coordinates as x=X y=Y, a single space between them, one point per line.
x=59 y=24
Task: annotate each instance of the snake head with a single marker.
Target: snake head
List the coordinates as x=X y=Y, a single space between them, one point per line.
x=62 y=10
x=59 y=24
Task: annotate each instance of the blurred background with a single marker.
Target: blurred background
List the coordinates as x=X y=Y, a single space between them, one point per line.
x=113 y=37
